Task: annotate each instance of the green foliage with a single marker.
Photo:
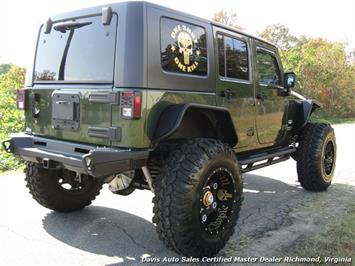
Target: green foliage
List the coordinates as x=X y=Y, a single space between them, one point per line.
x=4 y=68
x=11 y=119
x=322 y=69
x=324 y=74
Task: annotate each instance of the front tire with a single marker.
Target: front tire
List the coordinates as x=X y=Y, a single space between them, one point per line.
x=316 y=157
x=59 y=191
x=198 y=198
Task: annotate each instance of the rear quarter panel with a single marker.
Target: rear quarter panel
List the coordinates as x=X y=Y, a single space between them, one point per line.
x=138 y=133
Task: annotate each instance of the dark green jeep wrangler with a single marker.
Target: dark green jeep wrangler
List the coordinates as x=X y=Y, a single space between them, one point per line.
x=140 y=96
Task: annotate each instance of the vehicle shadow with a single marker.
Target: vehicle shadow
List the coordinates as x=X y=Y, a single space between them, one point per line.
x=115 y=233
x=106 y=231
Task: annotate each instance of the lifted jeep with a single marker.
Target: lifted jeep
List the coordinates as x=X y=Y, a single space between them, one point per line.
x=141 y=96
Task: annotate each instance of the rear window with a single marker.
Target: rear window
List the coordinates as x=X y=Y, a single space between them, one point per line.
x=80 y=50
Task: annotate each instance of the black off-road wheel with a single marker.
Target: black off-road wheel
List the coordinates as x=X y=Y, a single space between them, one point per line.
x=316 y=157
x=198 y=197
x=60 y=191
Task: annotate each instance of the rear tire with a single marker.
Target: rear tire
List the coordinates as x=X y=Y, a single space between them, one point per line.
x=316 y=157
x=198 y=197
x=47 y=187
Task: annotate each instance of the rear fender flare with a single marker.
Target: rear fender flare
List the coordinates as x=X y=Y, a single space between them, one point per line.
x=172 y=117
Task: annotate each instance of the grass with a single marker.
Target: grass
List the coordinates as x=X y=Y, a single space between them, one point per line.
x=332 y=120
x=337 y=242
x=342 y=120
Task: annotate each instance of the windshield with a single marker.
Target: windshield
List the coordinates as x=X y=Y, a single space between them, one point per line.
x=80 y=50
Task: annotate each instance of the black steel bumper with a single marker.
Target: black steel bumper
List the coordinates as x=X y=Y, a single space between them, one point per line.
x=95 y=161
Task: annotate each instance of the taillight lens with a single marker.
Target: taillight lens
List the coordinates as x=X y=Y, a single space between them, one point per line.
x=21 y=99
x=131 y=104
x=137 y=105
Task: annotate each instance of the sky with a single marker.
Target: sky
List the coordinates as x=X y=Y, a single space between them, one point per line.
x=329 y=19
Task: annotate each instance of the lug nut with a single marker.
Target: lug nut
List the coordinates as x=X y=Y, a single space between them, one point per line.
x=207 y=198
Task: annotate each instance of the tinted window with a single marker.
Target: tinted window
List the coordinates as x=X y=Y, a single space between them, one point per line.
x=221 y=55
x=183 y=47
x=83 y=52
x=233 y=58
x=268 y=69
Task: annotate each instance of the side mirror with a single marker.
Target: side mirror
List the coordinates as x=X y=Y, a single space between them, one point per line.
x=290 y=80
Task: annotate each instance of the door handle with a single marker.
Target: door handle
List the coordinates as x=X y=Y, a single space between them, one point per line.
x=227 y=93
x=261 y=96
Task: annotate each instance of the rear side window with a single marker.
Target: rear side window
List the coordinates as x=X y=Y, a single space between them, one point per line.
x=268 y=68
x=80 y=50
x=232 y=58
x=183 y=47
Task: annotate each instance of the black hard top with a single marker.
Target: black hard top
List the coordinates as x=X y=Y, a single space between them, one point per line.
x=138 y=55
x=118 y=5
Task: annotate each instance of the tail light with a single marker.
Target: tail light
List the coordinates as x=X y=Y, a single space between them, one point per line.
x=21 y=99
x=131 y=104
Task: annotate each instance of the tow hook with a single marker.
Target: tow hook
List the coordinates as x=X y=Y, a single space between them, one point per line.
x=48 y=163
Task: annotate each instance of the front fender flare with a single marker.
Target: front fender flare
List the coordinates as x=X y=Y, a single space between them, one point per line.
x=303 y=113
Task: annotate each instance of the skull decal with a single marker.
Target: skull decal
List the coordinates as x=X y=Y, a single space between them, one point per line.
x=223 y=195
x=185 y=46
x=184 y=50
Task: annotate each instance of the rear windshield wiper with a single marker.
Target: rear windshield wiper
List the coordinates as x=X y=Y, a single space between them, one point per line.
x=63 y=27
x=71 y=26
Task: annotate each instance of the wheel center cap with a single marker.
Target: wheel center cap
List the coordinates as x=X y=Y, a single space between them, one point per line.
x=208 y=198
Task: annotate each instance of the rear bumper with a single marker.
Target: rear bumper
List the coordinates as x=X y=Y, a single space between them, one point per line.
x=87 y=159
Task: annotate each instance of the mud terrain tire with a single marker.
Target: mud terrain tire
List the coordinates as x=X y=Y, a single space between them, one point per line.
x=197 y=174
x=316 y=157
x=47 y=191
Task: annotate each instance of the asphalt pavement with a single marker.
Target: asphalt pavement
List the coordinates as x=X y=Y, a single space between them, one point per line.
x=118 y=229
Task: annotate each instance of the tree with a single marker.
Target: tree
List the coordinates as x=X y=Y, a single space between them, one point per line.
x=322 y=70
x=324 y=74
x=13 y=79
x=11 y=119
x=4 y=68
x=228 y=18
x=279 y=35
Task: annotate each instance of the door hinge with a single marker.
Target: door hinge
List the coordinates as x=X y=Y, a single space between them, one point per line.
x=227 y=93
x=104 y=97
x=111 y=133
